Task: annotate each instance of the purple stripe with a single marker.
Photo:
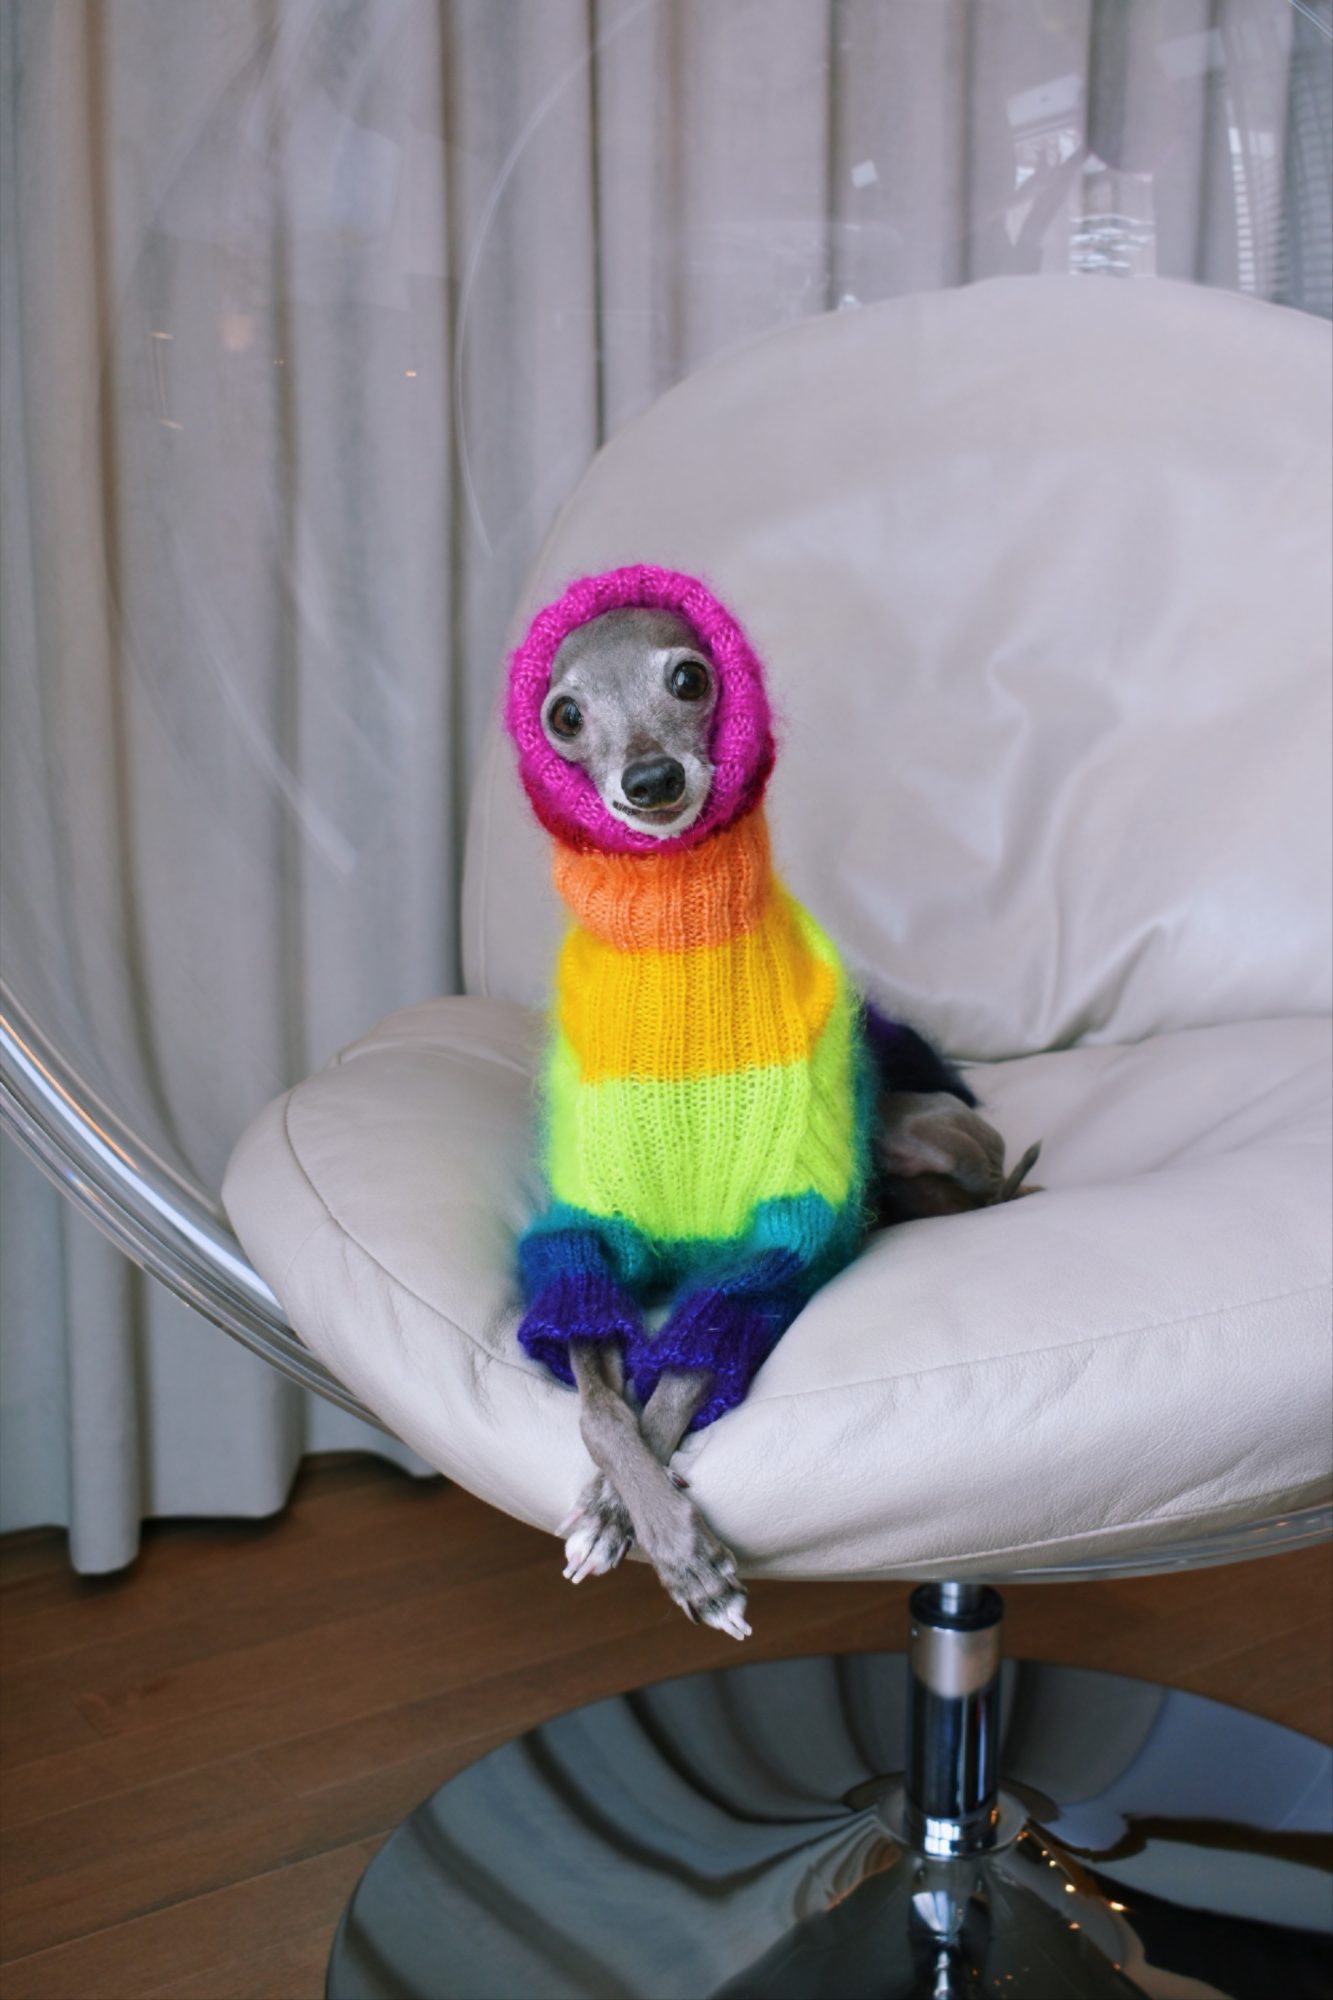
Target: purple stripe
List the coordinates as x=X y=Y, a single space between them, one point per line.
x=577 y=1305
x=730 y=1327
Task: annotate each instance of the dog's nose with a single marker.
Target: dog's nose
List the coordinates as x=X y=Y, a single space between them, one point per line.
x=653 y=781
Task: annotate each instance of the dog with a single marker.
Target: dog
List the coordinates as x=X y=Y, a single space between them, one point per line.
x=725 y=1116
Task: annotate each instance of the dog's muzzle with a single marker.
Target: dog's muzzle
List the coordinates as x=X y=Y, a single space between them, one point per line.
x=653 y=782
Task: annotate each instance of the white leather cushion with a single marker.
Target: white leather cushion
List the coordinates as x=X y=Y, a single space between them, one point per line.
x=1039 y=569
x=1137 y=1355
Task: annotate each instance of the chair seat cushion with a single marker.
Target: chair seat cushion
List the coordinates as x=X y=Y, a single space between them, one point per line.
x=1138 y=1355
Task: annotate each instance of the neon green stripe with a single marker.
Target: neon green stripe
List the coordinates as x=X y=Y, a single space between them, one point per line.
x=694 y=1158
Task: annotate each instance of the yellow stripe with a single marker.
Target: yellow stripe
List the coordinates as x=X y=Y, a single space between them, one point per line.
x=754 y=1002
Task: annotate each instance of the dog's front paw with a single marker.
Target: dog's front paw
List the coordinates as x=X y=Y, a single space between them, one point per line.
x=699 y=1573
x=598 y=1531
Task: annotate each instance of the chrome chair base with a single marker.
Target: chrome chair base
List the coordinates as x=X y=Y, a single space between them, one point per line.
x=742 y=1833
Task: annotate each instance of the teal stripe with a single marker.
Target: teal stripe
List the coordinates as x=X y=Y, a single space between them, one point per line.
x=823 y=1237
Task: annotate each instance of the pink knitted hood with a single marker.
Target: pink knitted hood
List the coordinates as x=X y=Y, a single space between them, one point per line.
x=563 y=797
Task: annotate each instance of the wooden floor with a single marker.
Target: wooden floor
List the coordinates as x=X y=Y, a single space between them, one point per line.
x=198 y=1758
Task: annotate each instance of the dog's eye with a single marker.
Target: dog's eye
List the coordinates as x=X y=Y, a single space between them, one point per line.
x=565 y=717
x=688 y=680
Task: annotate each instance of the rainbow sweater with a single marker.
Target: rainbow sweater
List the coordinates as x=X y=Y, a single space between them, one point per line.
x=707 y=1100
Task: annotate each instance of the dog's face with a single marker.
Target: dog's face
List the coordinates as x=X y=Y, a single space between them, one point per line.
x=637 y=707
x=631 y=701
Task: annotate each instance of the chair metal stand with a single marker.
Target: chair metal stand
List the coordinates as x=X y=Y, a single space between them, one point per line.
x=953 y=1719
x=837 y=1826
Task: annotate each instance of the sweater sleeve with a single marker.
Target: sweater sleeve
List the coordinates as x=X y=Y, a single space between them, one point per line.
x=572 y=1292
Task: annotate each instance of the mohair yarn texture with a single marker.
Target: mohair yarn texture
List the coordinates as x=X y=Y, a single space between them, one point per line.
x=707 y=1090
x=563 y=797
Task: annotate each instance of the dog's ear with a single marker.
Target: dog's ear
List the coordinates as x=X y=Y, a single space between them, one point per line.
x=937 y=1156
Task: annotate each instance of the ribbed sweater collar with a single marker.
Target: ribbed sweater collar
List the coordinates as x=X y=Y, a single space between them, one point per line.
x=673 y=899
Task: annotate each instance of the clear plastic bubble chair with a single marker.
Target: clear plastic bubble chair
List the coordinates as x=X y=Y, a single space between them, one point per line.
x=981 y=359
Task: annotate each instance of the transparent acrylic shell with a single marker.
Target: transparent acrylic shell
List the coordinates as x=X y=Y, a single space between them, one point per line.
x=381 y=217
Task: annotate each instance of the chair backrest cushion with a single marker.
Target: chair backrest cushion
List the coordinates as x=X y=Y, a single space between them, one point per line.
x=1040 y=572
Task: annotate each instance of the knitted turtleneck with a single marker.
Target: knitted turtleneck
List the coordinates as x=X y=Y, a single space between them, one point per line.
x=707 y=1091
x=706 y=1112
x=702 y=1062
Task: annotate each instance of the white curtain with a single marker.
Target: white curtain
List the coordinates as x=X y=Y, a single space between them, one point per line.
x=313 y=312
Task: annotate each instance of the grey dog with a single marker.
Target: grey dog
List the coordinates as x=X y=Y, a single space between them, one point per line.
x=631 y=700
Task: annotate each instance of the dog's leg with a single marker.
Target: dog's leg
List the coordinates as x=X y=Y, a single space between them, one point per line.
x=598 y=1528
x=674 y=1404
x=938 y=1156
x=598 y=1531
x=693 y=1565
x=725 y=1324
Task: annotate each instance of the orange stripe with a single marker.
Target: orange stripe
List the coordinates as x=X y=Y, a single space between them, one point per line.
x=752 y=1002
x=678 y=900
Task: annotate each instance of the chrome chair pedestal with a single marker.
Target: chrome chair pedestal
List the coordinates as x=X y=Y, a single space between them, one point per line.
x=834 y=1827
x=953 y=1719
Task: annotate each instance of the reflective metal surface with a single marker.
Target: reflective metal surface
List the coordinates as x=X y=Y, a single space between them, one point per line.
x=953 y=1764
x=738 y=1833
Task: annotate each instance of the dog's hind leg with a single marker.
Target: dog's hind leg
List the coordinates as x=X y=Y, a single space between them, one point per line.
x=693 y=1565
x=934 y=1152
x=936 y=1156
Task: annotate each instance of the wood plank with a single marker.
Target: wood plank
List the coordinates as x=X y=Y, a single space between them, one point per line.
x=124 y=1685
x=40 y=1721
x=245 y=1565
x=292 y=1968
x=352 y=1693
x=530 y=1693
x=153 y=1873
x=166 y=1811
x=218 y=1938
x=133 y=1853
